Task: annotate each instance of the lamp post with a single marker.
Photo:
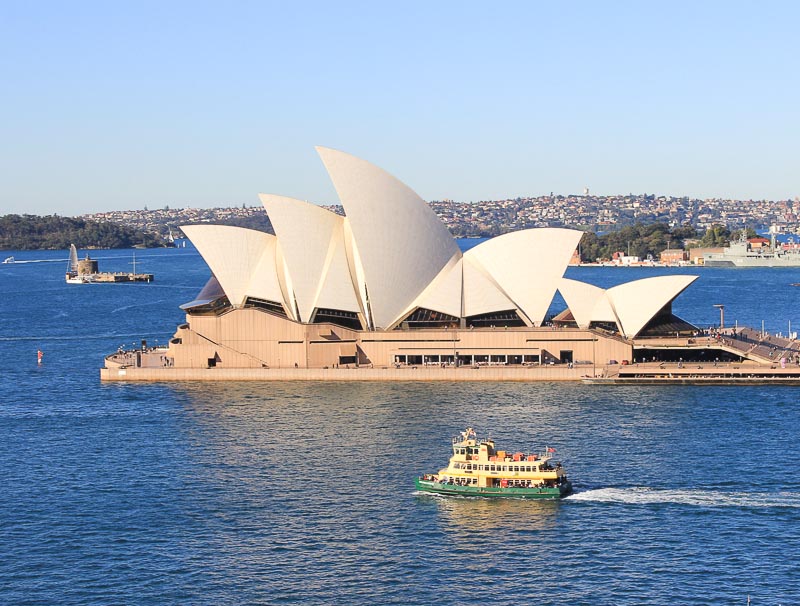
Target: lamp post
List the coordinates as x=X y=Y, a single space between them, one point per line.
x=721 y=315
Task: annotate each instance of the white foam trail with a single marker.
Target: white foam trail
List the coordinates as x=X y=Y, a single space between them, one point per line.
x=639 y=495
x=20 y=262
x=127 y=307
x=72 y=337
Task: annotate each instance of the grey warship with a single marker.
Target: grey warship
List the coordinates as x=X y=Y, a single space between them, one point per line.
x=742 y=254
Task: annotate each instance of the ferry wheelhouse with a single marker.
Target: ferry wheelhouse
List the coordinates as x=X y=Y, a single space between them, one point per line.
x=478 y=468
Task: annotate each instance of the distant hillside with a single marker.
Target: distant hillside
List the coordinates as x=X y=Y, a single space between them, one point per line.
x=31 y=232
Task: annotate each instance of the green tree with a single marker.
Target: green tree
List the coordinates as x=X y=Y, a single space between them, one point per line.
x=715 y=236
x=31 y=232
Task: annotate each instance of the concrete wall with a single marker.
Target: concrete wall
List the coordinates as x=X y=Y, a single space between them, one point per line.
x=495 y=373
x=250 y=338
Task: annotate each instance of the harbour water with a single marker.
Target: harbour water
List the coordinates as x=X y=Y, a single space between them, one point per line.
x=302 y=493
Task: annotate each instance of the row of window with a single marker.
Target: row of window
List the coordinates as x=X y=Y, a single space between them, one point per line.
x=479 y=467
x=428 y=318
x=468 y=360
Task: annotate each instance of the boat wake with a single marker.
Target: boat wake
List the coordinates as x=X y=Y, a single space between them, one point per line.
x=117 y=310
x=639 y=495
x=24 y=261
x=72 y=337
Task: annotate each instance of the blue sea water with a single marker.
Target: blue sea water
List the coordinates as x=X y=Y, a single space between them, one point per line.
x=302 y=493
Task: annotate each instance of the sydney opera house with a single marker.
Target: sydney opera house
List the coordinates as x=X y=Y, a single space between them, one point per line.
x=387 y=286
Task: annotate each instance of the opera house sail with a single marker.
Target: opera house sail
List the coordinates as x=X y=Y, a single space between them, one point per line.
x=387 y=287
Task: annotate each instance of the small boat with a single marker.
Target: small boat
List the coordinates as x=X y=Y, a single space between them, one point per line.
x=72 y=275
x=9 y=260
x=478 y=468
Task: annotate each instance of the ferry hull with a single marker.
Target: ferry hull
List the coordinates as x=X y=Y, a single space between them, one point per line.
x=494 y=492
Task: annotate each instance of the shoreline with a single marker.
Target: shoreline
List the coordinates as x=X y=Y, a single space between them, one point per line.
x=649 y=374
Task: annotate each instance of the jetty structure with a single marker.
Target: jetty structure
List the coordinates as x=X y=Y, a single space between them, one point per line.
x=385 y=293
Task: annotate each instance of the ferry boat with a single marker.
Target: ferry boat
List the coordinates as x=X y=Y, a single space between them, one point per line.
x=478 y=468
x=9 y=260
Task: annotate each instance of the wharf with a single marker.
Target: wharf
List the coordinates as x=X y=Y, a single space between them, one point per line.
x=120 y=277
x=152 y=368
x=362 y=373
x=722 y=374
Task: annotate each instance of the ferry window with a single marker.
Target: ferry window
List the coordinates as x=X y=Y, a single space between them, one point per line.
x=527 y=469
x=492 y=468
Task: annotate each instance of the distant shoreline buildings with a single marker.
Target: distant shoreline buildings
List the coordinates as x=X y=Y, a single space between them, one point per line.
x=488 y=218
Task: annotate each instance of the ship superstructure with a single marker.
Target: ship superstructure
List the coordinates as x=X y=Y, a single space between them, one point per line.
x=743 y=253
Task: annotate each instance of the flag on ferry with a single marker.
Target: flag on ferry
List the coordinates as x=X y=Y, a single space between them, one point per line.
x=550 y=449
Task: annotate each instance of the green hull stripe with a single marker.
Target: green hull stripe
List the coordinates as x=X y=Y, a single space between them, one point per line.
x=474 y=491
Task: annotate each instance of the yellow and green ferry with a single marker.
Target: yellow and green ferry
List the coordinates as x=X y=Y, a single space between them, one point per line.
x=478 y=468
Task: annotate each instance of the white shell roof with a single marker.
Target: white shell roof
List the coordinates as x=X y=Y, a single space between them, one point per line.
x=393 y=249
x=635 y=303
x=444 y=293
x=242 y=260
x=312 y=243
x=631 y=305
x=586 y=302
x=401 y=242
x=481 y=294
x=527 y=265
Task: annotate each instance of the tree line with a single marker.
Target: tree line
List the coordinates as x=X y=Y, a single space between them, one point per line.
x=32 y=232
x=642 y=240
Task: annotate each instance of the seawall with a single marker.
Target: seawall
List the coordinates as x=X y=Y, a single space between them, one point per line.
x=435 y=373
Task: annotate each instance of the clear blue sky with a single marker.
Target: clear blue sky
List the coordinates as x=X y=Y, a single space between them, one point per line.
x=118 y=105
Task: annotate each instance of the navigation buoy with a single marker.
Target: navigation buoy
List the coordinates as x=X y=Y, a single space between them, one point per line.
x=39 y=355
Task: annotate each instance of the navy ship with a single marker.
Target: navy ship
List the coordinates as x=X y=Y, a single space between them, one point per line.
x=743 y=254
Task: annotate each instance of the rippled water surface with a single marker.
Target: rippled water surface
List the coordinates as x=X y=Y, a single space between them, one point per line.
x=302 y=493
